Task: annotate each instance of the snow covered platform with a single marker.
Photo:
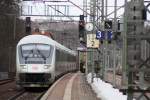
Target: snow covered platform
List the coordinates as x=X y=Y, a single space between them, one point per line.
x=104 y=90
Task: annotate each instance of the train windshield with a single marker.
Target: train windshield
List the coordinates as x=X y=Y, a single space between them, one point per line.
x=35 y=53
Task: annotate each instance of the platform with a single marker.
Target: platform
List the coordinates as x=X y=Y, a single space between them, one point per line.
x=71 y=87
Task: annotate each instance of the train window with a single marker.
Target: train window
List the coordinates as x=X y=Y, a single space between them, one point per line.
x=57 y=55
x=64 y=56
x=35 y=53
x=36 y=50
x=61 y=55
x=44 y=50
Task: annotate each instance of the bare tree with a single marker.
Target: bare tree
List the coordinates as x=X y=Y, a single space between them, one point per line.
x=9 y=6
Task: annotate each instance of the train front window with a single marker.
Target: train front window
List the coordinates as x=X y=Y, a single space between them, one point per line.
x=36 y=53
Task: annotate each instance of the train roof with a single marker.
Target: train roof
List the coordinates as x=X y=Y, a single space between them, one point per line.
x=35 y=39
x=44 y=40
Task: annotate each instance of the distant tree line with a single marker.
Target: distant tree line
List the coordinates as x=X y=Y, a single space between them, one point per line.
x=9 y=6
x=11 y=30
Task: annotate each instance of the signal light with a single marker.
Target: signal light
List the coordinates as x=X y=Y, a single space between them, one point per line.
x=81 y=17
x=81 y=31
x=144 y=14
x=28 y=30
x=28 y=25
x=118 y=25
x=28 y=22
x=81 y=25
x=81 y=28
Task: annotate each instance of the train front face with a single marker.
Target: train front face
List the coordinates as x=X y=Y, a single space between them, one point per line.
x=35 y=65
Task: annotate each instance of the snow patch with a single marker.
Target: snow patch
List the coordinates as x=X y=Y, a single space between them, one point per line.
x=105 y=91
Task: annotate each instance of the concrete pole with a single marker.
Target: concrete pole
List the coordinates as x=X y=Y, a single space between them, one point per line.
x=97 y=23
x=102 y=63
x=124 y=50
x=114 y=66
x=125 y=81
x=114 y=47
x=79 y=59
x=86 y=71
x=94 y=13
x=85 y=14
x=85 y=9
x=105 y=44
x=115 y=16
x=106 y=3
x=103 y=47
x=102 y=11
x=105 y=56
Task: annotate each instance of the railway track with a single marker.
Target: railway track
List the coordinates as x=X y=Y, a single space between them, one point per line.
x=5 y=81
x=17 y=95
x=27 y=95
x=10 y=92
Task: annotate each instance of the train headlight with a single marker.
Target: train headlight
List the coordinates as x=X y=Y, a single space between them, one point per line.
x=47 y=66
x=23 y=66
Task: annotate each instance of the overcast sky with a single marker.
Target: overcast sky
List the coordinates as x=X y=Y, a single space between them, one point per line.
x=39 y=7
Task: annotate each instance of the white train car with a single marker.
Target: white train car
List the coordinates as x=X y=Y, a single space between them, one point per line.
x=39 y=60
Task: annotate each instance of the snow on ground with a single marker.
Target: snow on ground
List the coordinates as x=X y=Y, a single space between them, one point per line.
x=105 y=91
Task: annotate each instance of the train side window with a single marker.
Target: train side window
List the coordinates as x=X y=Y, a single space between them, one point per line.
x=62 y=56
x=65 y=56
x=57 y=55
x=69 y=58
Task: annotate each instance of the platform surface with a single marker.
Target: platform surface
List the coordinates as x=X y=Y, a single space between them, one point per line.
x=72 y=87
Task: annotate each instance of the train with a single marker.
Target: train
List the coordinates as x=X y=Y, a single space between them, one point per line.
x=40 y=60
